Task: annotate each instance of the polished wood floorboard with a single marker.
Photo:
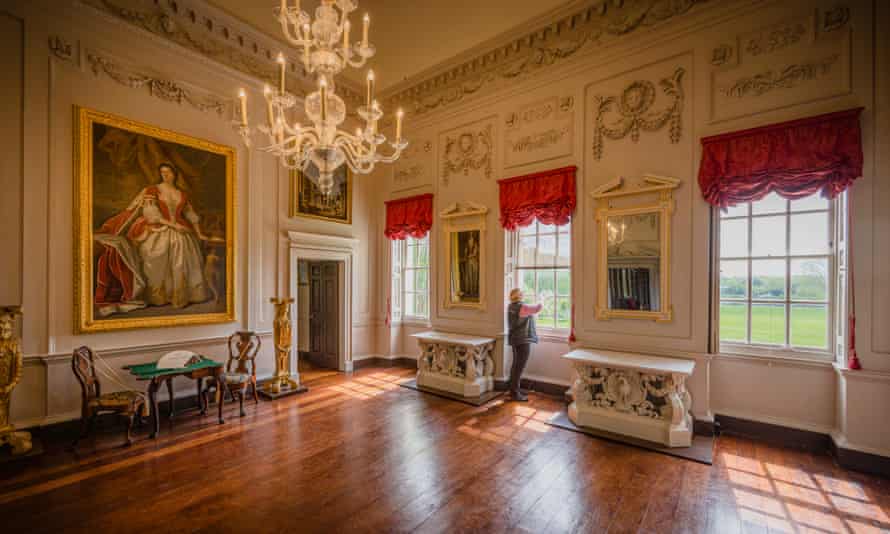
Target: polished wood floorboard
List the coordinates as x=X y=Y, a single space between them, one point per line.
x=360 y=454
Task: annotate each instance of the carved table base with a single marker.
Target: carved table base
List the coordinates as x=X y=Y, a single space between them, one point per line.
x=640 y=396
x=457 y=364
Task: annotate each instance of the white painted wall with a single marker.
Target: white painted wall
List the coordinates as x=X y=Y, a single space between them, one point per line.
x=792 y=393
x=37 y=161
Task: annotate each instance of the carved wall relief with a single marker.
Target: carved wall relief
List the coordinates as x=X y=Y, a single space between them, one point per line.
x=468 y=151
x=797 y=61
x=634 y=111
x=168 y=90
x=415 y=166
x=593 y=25
x=722 y=55
x=539 y=131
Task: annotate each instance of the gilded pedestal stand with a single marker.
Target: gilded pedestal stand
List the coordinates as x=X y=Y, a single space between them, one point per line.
x=282 y=382
x=10 y=374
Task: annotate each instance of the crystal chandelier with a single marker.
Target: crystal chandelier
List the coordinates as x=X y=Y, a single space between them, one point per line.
x=321 y=147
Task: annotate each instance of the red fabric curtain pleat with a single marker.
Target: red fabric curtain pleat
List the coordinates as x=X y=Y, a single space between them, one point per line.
x=547 y=196
x=412 y=216
x=794 y=159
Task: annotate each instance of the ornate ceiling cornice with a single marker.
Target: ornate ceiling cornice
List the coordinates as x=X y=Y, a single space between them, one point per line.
x=200 y=28
x=497 y=66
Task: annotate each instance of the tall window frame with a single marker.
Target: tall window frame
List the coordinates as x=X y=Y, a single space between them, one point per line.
x=410 y=295
x=779 y=242
x=544 y=276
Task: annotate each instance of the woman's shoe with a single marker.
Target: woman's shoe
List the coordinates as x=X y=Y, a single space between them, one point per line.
x=519 y=397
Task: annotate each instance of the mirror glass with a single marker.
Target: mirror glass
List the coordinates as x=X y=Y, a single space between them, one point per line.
x=634 y=261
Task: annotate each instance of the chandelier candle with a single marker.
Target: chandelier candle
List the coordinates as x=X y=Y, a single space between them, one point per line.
x=399 y=115
x=242 y=96
x=282 y=66
x=370 y=87
x=366 y=24
x=346 y=39
x=323 y=88
x=270 y=115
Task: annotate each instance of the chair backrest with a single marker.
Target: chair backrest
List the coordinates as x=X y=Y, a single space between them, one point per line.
x=85 y=371
x=244 y=352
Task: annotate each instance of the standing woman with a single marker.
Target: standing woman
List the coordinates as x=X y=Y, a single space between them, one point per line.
x=521 y=321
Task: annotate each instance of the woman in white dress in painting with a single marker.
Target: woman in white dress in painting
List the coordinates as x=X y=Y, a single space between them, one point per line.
x=152 y=251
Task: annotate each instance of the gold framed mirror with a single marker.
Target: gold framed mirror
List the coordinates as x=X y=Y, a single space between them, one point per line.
x=464 y=229
x=634 y=249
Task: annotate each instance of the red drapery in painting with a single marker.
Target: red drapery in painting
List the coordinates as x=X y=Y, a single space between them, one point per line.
x=547 y=196
x=412 y=216
x=794 y=159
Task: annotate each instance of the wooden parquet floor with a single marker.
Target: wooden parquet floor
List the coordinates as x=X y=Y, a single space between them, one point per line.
x=361 y=454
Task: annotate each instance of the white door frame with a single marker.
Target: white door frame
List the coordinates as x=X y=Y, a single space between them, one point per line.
x=320 y=247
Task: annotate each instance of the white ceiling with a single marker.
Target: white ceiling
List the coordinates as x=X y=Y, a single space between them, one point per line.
x=410 y=35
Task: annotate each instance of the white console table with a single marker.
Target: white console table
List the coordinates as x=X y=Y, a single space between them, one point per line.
x=632 y=394
x=455 y=363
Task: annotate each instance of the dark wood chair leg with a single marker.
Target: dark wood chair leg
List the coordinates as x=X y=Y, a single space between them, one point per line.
x=84 y=430
x=200 y=399
x=131 y=418
x=256 y=397
x=241 y=394
x=170 y=392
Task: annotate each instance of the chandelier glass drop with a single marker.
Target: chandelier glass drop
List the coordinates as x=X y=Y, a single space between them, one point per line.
x=321 y=147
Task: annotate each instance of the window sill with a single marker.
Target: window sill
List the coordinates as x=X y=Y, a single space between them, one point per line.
x=413 y=322
x=809 y=359
x=553 y=336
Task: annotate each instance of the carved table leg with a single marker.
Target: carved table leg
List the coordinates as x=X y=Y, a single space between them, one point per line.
x=153 y=400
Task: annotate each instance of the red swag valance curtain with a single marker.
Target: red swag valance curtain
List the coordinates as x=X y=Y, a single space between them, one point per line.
x=794 y=159
x=548 y=196
x=412 y=216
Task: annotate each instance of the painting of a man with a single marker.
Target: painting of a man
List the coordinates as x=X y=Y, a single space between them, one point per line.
x=466 y=249
x=159 y=236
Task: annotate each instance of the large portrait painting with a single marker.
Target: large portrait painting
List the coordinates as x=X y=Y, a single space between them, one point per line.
x=307 y=200
x=465 y=266
x=154 y=226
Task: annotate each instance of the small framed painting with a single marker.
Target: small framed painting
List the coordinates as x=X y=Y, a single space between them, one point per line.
x=464 y=232
x=154 y=226
x=308 y=201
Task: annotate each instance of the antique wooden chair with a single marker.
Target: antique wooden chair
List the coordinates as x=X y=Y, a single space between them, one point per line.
x=243 y=357
x=94 y=402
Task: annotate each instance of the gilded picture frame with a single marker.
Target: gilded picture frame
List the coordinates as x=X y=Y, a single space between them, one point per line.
x=613 y=200
x=307 y=201
x=465 y=238
x=154 y=226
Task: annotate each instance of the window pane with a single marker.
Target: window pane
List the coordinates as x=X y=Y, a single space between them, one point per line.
x=734 y=238
x=409 y=281
x=423 y=255
x=420 y=277
x=565 y=250
x=421 y=307
x=768 y=324
x=809 y=233
x=564 y=283
x=735 y=211
x=563 y=313
x=410 y=309
x=812 y=202
x=547 y=316
x=768 y=236
x=809 y=325
x=527 y=246
x=809 y=279
x=733 y=321
x=545 y=285
x=546 y=228
x=772 y=203
x=527 y=283
x=768 y=279
x=546 y=251
x=734 y=279
x=528 y=230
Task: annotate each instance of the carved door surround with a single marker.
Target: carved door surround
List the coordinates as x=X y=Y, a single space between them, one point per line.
x=320 y=247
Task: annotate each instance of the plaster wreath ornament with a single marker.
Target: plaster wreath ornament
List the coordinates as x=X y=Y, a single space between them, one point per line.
x=635 y=114
x=321 y=147
x=468 y=151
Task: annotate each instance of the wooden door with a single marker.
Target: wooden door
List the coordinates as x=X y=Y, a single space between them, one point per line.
x=324 y=327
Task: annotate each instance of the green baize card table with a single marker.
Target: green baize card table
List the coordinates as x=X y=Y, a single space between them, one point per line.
x=206 y=368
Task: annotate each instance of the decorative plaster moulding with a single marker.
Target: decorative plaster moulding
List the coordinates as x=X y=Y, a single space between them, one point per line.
x=201 y=28
x=463 y=209
x=322 y=241
x=503 y=60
